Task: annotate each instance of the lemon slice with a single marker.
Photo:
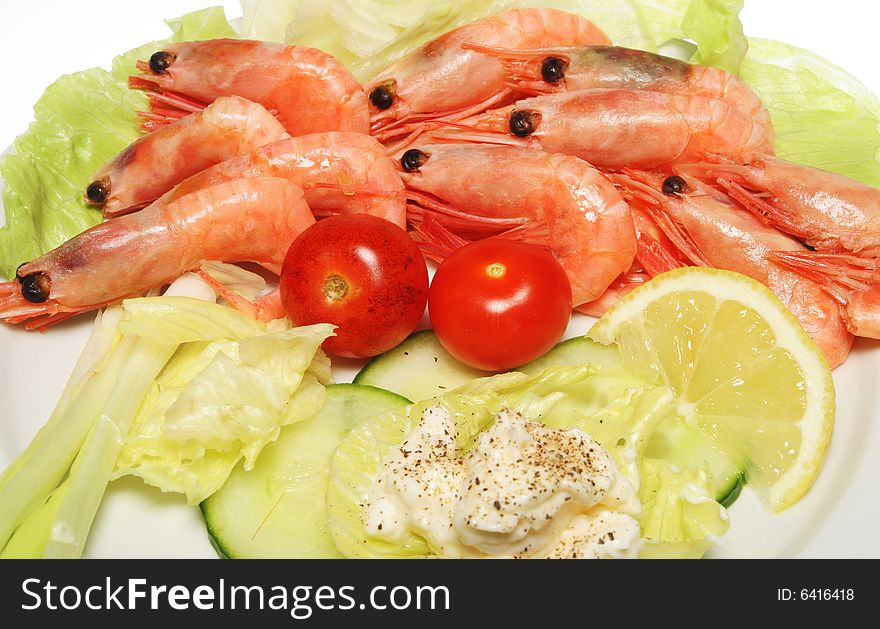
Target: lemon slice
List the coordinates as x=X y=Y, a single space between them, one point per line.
x=745 y=374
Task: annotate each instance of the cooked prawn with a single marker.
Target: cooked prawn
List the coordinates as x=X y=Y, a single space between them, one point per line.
x=613 y=128
x=619 y=288
x=253 y=219
x=442 y=79
x=710 y=230
x=585 y=67
x=340 y=173
x=655 y=254
x=557 y=200
x=306 y=89
x=854 y=281
x=157 y=162
x=835 y=215
x=829 y=212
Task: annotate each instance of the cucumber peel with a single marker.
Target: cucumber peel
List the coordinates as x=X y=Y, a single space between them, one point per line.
x=277 y=510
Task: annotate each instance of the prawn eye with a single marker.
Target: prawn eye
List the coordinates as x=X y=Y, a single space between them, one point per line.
x=674 y=185
x=524 y=123
x=413 y=159
x=553 y=69
x=35 y=287
x=160 y=61
x=383 y=96
x=98 y=191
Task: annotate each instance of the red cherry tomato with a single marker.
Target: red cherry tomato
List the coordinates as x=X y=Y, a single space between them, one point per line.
x=497 y=304
x=360 y=273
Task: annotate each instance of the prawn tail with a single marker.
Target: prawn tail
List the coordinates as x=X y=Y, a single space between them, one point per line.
x=619 y=288
x=166 y=106
x=267 y=308
x=842 y=270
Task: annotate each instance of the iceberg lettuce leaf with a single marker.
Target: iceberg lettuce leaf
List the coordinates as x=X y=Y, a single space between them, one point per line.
x=677 y=504
x=222 y=400
x=715 y=27
x=66 y=144
x=176 y=320
x=80 y=123
x=823 y=116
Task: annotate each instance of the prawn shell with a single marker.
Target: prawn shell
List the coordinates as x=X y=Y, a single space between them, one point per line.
x=308 y=90
x=830 y=212
x=731 y=239
x=340 y=172
x=615 y=67
x=158 y=161
x=254 y=219
x=574 y=210
x=442 y=77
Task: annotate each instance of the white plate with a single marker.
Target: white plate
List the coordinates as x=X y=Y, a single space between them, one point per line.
x=836 y=519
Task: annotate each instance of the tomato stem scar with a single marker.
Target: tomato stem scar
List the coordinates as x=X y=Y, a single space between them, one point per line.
x=496 y=269
x=335 y=288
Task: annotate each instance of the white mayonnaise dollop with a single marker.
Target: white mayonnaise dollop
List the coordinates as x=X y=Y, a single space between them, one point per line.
x=523 y=490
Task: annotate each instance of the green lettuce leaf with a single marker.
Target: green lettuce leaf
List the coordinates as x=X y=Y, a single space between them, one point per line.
x=221 y=398
x=176 y=320
x=715 y=27
x=677 y=504
x=823 y=116
x=81 y=122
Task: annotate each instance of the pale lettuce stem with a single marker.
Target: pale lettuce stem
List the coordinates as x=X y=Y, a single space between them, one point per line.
x=30 y=479
x=93 y=466
x=29 y=539
x=97 y=407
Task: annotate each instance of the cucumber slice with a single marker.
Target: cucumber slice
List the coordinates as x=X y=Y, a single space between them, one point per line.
x=673 y=440
x=277 y=510
x=734 y=491
x=676 y=442
x=418 y=369
x=579 y=351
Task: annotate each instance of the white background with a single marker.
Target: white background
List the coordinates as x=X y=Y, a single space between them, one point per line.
x=40 y=40
x=43 y=39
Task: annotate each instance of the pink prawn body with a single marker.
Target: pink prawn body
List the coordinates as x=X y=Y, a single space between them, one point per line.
x=445 y=79
x=712 y=231
x=340 y=172
x=158 y=161
x=306 y=89
x=830 y=212
x=254 y=219
x=618 y=128
x=575 y=68
x=561 y=202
